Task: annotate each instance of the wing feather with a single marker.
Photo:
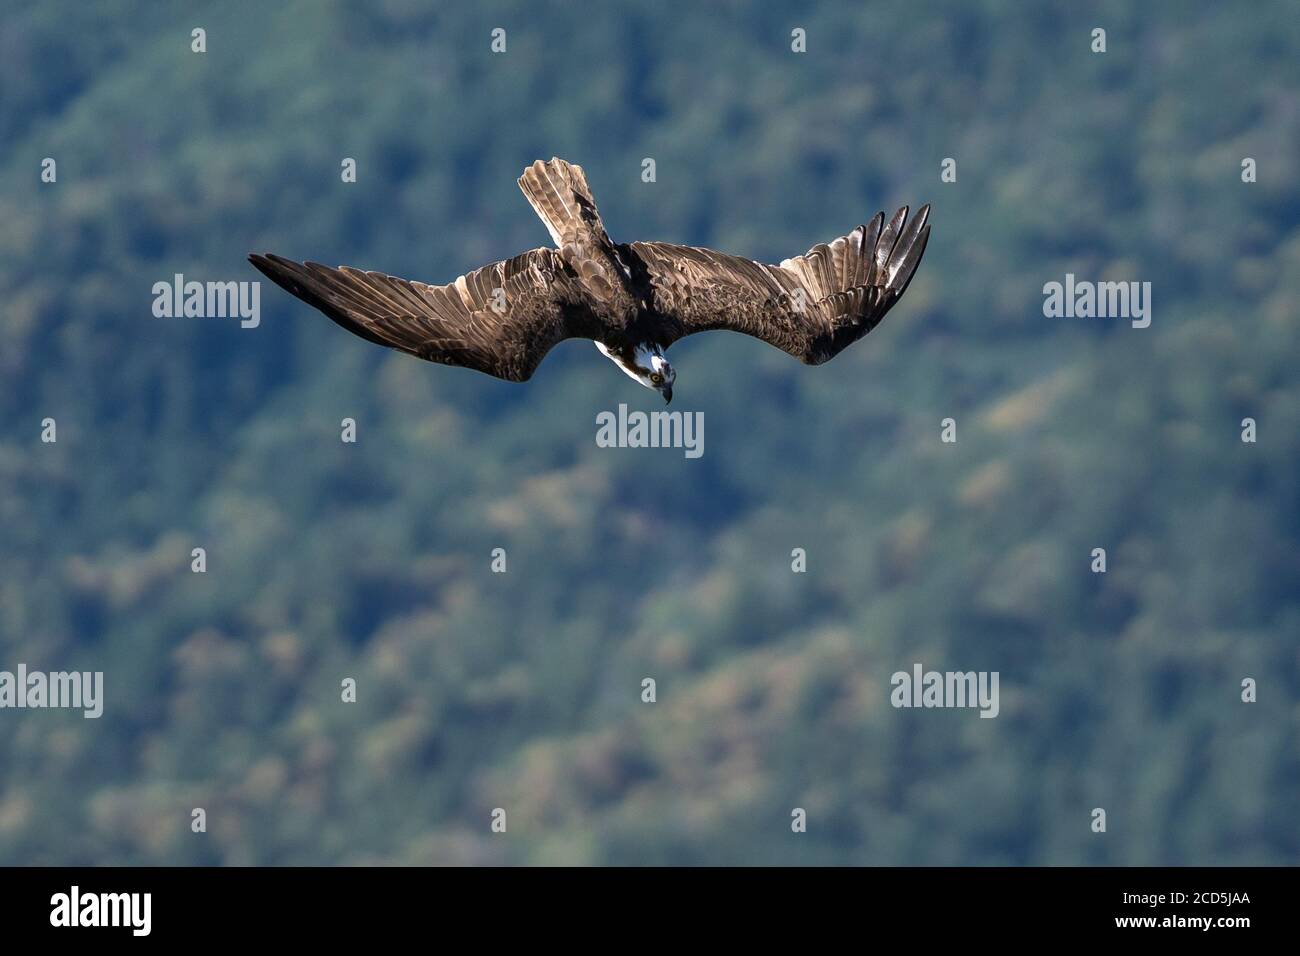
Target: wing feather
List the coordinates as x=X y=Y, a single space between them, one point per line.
x=812 y=306
x=464 y=323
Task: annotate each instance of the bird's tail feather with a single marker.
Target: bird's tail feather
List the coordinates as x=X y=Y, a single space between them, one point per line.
x=558 y=191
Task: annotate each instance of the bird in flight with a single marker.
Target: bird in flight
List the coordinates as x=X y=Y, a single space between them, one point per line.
x=633 y=300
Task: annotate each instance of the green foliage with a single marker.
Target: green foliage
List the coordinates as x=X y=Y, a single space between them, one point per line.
x=522 y=690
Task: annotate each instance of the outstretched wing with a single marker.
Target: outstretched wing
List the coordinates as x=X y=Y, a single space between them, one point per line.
x=501 y=319
x=812 y=307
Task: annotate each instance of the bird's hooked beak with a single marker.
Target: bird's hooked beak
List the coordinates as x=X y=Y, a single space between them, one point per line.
x=667 y=393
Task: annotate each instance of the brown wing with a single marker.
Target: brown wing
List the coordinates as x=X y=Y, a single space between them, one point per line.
x=812 y=307
x=501 y=319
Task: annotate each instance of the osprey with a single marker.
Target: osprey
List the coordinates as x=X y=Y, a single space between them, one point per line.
x=633 y=300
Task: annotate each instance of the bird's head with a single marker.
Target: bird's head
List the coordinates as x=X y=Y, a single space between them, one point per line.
x=661 y=377
x=646 y=364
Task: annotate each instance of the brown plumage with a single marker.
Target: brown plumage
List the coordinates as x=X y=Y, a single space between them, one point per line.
x=636 y=299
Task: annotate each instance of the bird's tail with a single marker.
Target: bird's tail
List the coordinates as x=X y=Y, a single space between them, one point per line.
x=558 y=191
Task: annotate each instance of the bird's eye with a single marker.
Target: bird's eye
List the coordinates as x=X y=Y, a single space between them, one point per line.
x=656 y=378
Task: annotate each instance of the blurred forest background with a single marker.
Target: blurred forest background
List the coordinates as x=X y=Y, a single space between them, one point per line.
x=522 y=690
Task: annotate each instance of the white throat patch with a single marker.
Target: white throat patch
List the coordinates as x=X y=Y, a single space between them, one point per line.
x=647 y=356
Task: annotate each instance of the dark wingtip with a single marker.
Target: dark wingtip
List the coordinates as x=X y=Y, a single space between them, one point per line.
x=283 y=272
x=268 y=263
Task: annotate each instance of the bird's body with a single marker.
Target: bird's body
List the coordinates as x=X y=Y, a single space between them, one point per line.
x=633 y=299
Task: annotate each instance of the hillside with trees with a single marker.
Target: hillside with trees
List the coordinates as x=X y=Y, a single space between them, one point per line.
x=523 y=690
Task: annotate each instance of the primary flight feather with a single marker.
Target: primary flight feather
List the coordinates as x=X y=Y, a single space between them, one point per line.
x=633 y=300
